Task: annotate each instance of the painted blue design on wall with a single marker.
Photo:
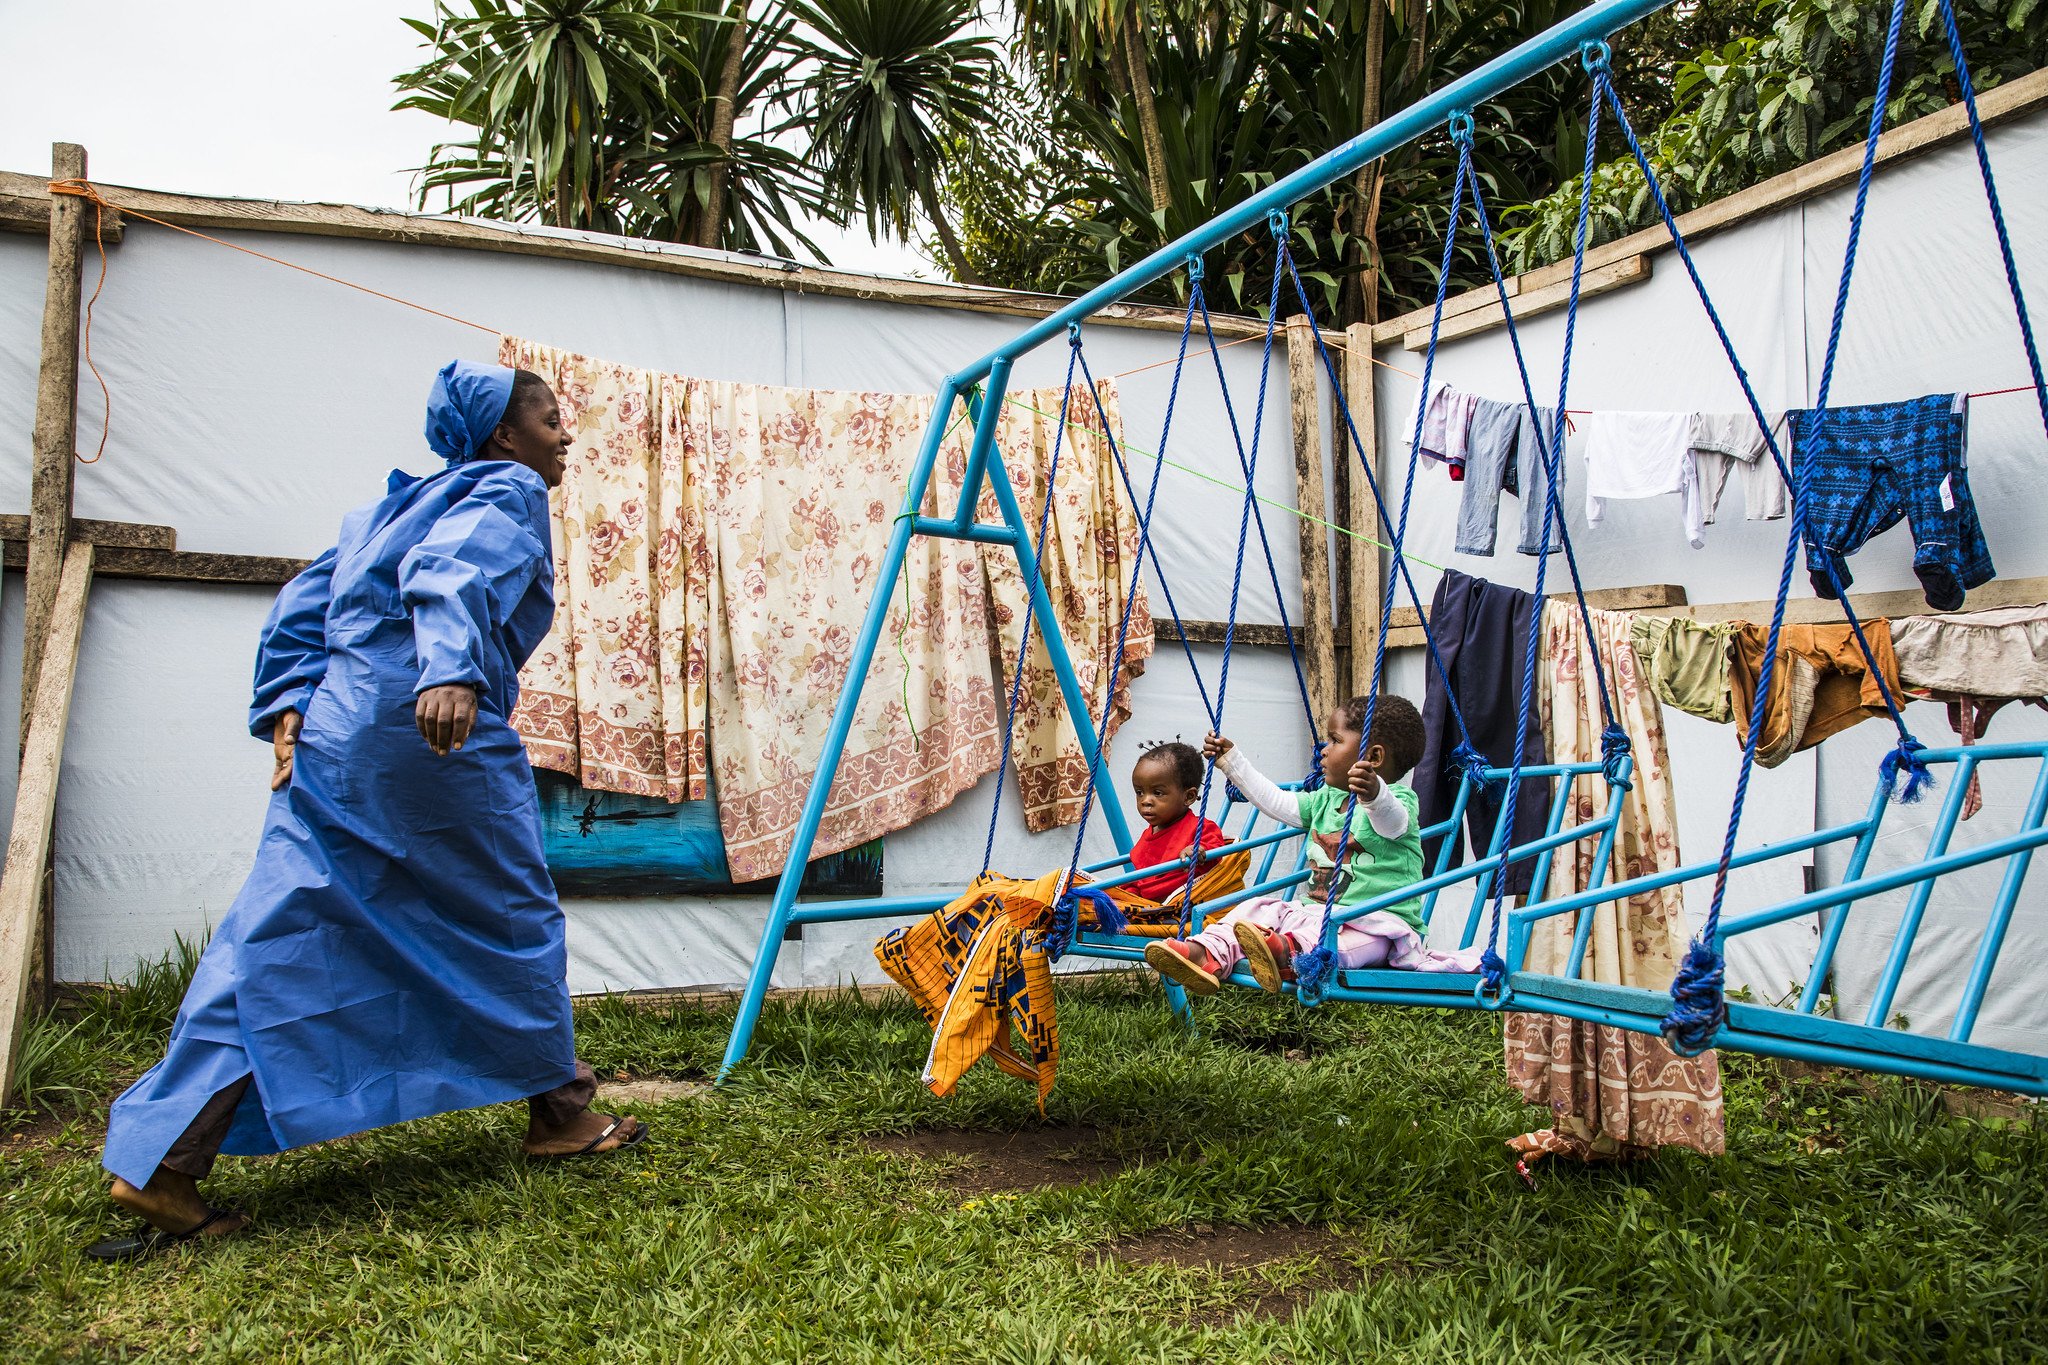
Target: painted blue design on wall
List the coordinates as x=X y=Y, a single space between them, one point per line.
x=609 y=844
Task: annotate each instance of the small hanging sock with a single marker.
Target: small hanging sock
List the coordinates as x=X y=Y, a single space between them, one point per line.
x=1698 y=1008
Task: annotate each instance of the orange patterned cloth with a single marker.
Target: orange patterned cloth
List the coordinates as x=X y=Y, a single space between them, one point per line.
x=1612 y=1094
x=979 y=971
x=1091 y=551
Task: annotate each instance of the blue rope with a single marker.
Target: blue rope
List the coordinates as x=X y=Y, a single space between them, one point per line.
x=988 y=852
x=1308 y=706
x=2012 y=274
x=1316 y=968
x=1123 y=626
x=1698 y=1006
x=1277 y=222
x=1613 y=741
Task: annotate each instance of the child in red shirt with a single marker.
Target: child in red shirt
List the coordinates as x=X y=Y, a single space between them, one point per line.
x=1166 y=782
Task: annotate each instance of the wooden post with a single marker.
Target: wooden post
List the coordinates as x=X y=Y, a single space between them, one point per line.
x=1365 y=584
x=47 y=709
x=1318 y=603
x=54 y=453
x=56 y=429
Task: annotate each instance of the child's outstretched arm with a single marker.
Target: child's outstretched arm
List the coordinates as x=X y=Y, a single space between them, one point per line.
x=1261 y=791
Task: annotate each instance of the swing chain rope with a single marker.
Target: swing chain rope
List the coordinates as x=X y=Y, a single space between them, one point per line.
x=1277 y=224
x=1066 y=918
x=992 y=413
x=1316 y=969
x=1314 y=778
x=1493 y=992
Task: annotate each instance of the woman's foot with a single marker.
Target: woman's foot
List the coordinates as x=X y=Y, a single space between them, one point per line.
x=588 y=1134
x=1269 y=957
x=1188 y=963
x=170 y=1203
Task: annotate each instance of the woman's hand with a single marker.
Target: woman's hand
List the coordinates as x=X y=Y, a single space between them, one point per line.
x=1364 y=779
x=445 y=715
x=1214 y=746
x=284 y=741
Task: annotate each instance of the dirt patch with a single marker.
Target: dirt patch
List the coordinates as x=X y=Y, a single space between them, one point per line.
x=1004 y=1163
x=1241 y=1255
x=649 y=1090
x=1990 y=1104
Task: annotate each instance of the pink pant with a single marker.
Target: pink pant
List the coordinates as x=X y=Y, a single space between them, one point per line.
x=1301 y=921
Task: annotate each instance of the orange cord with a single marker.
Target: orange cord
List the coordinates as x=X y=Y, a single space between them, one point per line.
x=106 y=395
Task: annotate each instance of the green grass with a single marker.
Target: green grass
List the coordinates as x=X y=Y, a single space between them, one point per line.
x=1850 y=1221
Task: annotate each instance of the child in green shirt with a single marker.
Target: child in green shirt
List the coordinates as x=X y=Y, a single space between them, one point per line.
x=1383 y=853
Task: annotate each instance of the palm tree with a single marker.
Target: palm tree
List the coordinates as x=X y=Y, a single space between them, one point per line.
x=1078 y=42
x=891 y=83
x=545 y=83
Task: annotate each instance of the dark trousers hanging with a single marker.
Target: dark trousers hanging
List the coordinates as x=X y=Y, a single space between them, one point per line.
x=1482 y=633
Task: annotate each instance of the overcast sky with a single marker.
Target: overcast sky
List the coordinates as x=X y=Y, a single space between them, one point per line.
x=270 y=99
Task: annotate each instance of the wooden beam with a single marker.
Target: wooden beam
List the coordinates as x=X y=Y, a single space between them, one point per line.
x=127 y=534
x=1804 y=610
x=423 y=229
x=182 y=566
x=1366 y=582
x=54 y=444
x=2002 y=104
x=31 y=214
x=1619 y=274
x=1318 y=602
x=47 y=710
x=1211 y=633
x=1405 y=628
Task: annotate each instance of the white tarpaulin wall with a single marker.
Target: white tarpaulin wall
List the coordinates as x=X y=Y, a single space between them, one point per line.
x=255 y=405
x=1929 y=313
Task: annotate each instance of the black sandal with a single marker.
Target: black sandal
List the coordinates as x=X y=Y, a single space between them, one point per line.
x=590 y=1148
x=148 y=1241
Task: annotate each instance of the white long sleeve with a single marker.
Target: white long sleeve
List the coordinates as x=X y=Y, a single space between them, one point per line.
x=1386 y=814
x=1260 y=790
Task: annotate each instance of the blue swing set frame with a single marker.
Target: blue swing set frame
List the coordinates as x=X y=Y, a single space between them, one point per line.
x=1802 y=1031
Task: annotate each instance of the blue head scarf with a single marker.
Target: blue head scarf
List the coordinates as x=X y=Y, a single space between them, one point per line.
x=467 y=403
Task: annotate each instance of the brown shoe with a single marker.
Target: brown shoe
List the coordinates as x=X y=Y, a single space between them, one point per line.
x=1268 y=956
x=1176 y=959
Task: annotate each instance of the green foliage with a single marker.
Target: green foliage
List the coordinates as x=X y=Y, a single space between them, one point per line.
x=1854 y=1219
x=888 y=82
x=1756 y=106
x=598 y=114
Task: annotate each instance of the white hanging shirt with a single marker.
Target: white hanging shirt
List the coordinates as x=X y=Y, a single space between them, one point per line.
x=1642 y=455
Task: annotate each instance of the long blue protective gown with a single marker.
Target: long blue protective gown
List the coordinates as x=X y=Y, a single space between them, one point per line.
x=397 y=950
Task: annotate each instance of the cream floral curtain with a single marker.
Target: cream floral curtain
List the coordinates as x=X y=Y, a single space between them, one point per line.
x=1612 y=1094
x=802 y=491
x=1090 y=552
x=615 y=695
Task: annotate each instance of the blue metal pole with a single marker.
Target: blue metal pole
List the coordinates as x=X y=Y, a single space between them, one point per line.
x=835 y=738
x=2001 y=916
x=1836 y=919
x=1916 y=904
x=1388 y=135
x=1055 y=642
x=1602 y=857
x=987 y=409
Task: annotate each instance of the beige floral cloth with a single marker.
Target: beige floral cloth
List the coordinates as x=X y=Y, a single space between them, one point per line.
x=802 y=491
x=716 y=547
x=615 y=695
x=1612 y=1094
x=1091 y=551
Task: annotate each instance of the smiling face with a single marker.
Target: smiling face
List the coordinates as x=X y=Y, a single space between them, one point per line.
x=533 y=434
x=1161 y=798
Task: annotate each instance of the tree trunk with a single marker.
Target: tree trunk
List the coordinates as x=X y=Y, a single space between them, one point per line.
x=724 y=113
x=1360 y=300
x=956 y=259
x=1149 y=137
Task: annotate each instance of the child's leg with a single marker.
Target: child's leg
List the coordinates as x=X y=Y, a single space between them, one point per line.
x=1302 y=921
x=1219 y=940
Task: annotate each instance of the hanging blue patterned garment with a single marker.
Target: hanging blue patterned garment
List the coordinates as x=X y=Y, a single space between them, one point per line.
x=397 y=950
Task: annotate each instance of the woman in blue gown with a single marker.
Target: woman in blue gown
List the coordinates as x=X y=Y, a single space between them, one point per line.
x=397 y=950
